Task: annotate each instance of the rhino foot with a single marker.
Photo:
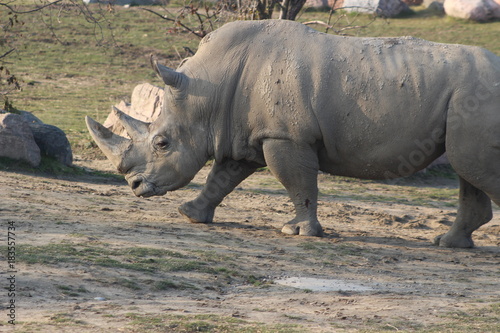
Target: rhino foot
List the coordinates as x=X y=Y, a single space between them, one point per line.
x=448 y=240
x=196 y=214
x=303 y=228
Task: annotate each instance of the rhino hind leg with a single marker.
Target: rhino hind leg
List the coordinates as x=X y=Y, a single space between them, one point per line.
x=222 y=179
x=474 y=210
x=296 y=167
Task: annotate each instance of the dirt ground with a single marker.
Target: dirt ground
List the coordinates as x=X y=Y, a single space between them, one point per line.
x=375 y=270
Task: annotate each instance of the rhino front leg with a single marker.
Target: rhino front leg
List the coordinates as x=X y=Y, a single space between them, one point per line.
x=223 y=178
x=474 y=210
x=296 y=167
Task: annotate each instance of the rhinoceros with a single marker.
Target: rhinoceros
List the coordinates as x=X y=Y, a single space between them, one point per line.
x=280 y=94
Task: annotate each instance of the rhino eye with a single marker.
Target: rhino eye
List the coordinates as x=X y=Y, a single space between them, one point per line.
x=160 y=143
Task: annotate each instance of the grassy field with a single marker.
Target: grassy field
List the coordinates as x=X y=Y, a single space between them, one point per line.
x=71 y=66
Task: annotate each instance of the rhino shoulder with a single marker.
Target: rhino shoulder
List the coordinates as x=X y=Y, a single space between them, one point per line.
x=239 y=32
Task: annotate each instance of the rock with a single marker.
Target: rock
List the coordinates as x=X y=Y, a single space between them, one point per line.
x=17 y=141
x=384 y=8
x=145 y=105
x=435 y=5
x=30 y=118
x=413 y=2
x=52 y=142
x=476 y=10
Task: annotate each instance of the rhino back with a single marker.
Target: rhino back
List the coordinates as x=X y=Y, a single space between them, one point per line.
x=369 y=102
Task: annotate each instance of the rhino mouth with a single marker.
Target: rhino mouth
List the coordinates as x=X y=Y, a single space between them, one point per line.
x=146 y=193
x=144 y=189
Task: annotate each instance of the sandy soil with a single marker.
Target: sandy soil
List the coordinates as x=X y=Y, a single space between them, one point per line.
x=396 y=279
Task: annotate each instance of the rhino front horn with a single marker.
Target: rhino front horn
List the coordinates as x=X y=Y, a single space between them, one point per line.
x=112 y=145
x=171 y=77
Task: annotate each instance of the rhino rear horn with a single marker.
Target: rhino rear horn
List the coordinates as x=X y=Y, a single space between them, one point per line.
x=135 y=128
x=171 y=77
x=112 y=145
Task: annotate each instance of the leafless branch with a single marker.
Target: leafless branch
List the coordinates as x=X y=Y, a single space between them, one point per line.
x=176 y=21
x=29 y=11
x=97 y=18
x=319 y=23
x=334 y=26
x=7 y=53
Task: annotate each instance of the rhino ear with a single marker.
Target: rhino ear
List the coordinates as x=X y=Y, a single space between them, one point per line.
x=135 y=128
x=171 y=77
x=112 y=145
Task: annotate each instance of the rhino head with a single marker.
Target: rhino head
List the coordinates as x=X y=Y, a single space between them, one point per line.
x=160 y=156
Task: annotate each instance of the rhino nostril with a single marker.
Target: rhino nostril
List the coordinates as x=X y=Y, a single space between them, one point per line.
x=135 y=184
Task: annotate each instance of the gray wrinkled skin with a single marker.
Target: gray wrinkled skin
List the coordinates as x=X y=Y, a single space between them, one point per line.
x=280 y=94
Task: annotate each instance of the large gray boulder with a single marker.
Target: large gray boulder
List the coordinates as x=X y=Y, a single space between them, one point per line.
x=476 y=10
x=145 y=105
x=52 y=142
x=384 y=8
x=17 y=141
x=25 y=137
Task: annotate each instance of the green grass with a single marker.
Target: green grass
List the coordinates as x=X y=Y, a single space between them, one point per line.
x=204 y=323
x=134 y=259
x=127 y=283
x=71 y=291
x=167 y=284
x=63 y=319
x=149 y=262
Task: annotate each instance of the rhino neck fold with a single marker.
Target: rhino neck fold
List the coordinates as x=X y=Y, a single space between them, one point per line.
x=219 y=137
x=232 y=140
x=213 y=98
